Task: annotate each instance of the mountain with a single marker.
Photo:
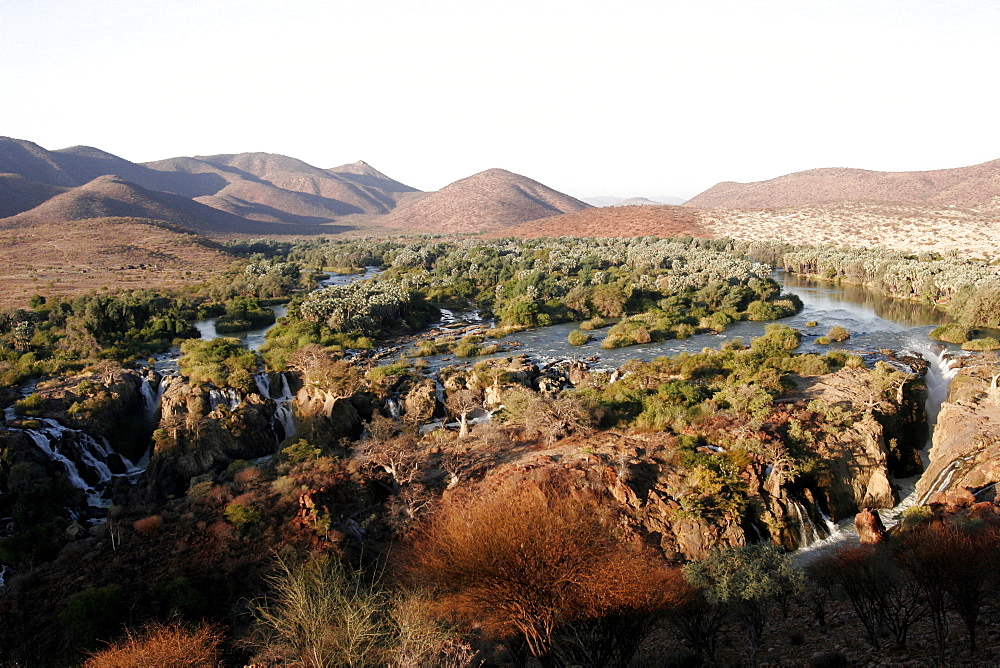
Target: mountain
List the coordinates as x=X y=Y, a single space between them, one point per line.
x=260 y=184
x=257 y=186
x=489 y=200
x=18 y=194
x=606 y=200
x=961 y=185
x=111 y=196
x=615 y=221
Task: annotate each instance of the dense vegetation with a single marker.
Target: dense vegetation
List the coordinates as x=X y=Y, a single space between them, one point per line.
x=418 y=544
x=968 y=289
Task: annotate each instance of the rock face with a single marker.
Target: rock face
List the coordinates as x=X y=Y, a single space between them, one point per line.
x=965 y=450
x=201 y=430
x=869 y=526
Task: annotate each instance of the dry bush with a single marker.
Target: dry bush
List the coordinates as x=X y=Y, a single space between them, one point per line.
x=322 y=614
x=248 y=476
x=148 y=526
x=162 y=645
x=532 y=562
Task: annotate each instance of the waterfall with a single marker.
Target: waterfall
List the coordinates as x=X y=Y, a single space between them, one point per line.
x=3 y=576
x=227 y=397
x=393 y=408
x=92 y=458
x=940 y=372
x=283 y=414
x=263 y=385
x=807 y=532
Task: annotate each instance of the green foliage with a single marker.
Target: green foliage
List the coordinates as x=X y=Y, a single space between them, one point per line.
x=985 y=343
x=94 y=614
x=32 y=405
x=222 y=362
x=243 y=517
x=578 y=337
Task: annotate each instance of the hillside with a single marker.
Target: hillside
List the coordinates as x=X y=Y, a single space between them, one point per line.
x=969 y=231
x=614 y=221
x=110 y=196
x=962 y=186
x=19 y=194
x=68 y=260
x=607 y=200
x=489 y=200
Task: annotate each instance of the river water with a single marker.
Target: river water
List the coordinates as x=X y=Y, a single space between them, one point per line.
x=874 y=322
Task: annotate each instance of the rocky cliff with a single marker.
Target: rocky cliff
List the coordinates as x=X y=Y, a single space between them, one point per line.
x=965 y=451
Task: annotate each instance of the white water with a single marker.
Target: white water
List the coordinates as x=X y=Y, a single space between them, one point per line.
x=53 y=438
x=283 y=414
x=940 y=373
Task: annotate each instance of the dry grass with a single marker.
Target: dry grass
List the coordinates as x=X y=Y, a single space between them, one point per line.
x=73 y=258
x=614 y=221
x=969 y=231
x=162 y=645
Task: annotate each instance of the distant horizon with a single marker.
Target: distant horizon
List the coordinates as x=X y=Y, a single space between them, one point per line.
x=591 y=99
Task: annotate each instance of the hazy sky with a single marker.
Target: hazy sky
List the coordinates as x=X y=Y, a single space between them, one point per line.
x=591 y=98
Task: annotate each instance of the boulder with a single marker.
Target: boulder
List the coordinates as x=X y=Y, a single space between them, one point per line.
x=869 y=526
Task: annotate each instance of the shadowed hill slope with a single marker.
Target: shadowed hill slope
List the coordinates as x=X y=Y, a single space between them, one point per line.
x=489 y=200
x=616 y=221
x=110 y=196
x=18 y=194
x=961 y=185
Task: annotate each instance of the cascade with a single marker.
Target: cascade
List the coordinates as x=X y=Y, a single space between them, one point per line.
x=283 y=414
x=226 y=396
x=393 y=408
x=808 y=531
x=90 y=472
x=940 y=372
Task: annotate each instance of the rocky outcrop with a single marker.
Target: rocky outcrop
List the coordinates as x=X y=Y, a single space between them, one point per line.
x=201 y=430
x=965 y=450
x=869 y=526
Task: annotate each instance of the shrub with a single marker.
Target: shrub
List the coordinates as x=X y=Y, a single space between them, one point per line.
x=530 y=561
x=951 y=333
x=243 y=517
x=162 y=645
x=578 y=337
x=593 y=323
x=986 y=343
x=323 y=614
x=148 y=526
x=93 y=614
x=838 y=334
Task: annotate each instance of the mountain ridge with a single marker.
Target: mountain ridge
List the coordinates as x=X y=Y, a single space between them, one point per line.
x=958 y=185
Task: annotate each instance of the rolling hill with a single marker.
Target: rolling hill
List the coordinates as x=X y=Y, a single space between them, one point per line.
x=961 y=186
x=111 y=196
x=71 y=259
x=490 y=200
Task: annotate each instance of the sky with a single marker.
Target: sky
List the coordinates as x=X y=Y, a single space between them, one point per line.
x=591 y=98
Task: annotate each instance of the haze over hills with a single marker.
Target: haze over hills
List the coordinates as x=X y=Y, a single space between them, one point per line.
x=489 y=200
x=961 y=185
x=608 y=200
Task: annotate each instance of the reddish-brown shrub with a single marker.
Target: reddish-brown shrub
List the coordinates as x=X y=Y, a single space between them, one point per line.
x=162 y=645
x=530 y=561
x=248 y=476
x=148 y=526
